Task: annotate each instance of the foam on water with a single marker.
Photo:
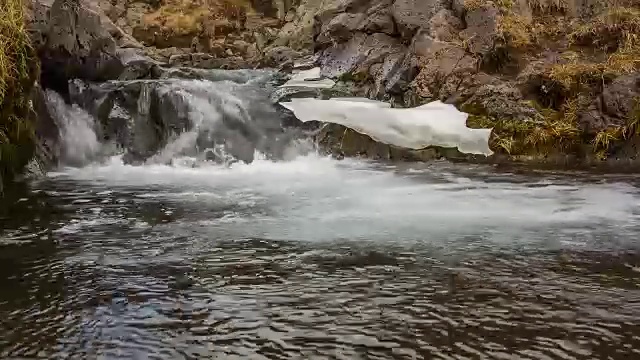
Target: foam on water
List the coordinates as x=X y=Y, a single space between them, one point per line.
x=319 y=198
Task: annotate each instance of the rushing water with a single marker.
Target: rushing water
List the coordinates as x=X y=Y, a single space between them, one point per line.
x=315 y=258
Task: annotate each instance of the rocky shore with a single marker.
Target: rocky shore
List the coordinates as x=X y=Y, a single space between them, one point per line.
x=557 y=80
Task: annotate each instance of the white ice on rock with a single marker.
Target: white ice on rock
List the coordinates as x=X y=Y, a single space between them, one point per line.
x=433 y=124
x=310 y=79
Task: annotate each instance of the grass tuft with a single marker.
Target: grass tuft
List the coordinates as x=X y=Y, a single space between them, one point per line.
x=609 y=30
x=188 y=17
x=18 y=71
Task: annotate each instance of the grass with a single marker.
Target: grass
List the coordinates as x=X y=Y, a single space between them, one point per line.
x=17 y=74
x=188 y=17
x=609 y=30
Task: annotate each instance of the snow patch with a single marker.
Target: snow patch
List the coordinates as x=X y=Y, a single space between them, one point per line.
x=433 y=124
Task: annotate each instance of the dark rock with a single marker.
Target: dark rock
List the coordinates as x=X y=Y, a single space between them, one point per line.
x=444 y=26
x=73 y=43
x=447 y=71
x=135 y=65
x=482 y=27
x=358 y=54
x=341 y=141
x=279 y=56
x=410 y=15
x=503 y=101
x=207 y=61
x=47 y=132
x=618 y=104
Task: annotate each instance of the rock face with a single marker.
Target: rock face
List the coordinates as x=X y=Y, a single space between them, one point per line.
x=74 y=40
x=513 y=66
x=516 y=66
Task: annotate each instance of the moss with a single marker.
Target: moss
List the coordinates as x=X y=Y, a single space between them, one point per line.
x=18 y=70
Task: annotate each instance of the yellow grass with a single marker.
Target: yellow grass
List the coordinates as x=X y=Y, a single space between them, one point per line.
x=17 y=73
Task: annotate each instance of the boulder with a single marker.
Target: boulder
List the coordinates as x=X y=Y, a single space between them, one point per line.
x=619 y=105
x=482 y=28
x=446 y=70
x=74 y=39
x=411 y=15
x=359 y=54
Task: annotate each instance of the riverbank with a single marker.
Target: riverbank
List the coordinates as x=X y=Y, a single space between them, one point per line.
x=18 y=72
x=558 y=82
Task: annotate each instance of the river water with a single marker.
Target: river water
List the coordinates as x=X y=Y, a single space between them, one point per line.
x=319 y=258
x=316 y=258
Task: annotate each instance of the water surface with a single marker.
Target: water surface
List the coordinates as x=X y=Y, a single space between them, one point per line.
x=315 y=258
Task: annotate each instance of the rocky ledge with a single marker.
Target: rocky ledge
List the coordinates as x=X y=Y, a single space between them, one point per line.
x=558 y=81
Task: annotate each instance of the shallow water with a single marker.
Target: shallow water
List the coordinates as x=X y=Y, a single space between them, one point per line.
x=316 y=258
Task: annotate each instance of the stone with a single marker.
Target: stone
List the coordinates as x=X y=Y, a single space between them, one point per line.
x=618 y=104
x=358 y=54
x=411 y=15
x=482 y=28
x=72 y=42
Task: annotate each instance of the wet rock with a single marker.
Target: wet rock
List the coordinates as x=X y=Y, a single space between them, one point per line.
x=341 y=141
x=135 y=65
x=339 y=29
x=207 y=61
x=47 y=132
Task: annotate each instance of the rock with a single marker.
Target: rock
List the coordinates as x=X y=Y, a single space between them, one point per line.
x=503 y=101
x=618 y=104
x=299 y=33
x=279 y=55
x=378 y=18
x=339 y=29
x=207 y=61
x=482 y=27
x=341 y=141
x=410 y=15
x=47 y=132
x=444 y=26
x=135 y=65
x=446 y=69
x=76 y=44
x=358 y=54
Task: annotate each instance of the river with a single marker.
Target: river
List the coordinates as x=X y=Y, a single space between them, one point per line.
x=317 y=258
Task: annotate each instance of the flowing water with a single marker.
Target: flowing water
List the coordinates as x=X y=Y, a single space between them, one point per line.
x=309 y=257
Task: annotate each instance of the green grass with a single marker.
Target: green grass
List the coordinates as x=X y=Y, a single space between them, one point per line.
x=17 y=74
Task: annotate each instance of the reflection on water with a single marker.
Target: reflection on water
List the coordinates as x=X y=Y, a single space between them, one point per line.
x=319 y=260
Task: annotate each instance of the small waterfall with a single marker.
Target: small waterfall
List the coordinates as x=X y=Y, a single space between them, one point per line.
x=79 y=142
x=221 y=117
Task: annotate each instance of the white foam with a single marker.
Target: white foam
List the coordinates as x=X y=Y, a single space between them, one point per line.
x=433 y=124
x=316 y=198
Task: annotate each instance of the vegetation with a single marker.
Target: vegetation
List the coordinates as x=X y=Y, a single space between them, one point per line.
x=189 y=17
x=17 y=74
x=594 y=51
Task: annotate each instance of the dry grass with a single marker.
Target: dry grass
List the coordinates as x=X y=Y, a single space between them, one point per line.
x=576 y=75
x=516 y=31
x=609 y=30
x=188 y=17
x=550 y=6
x=471 y=5
x=17 y=73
